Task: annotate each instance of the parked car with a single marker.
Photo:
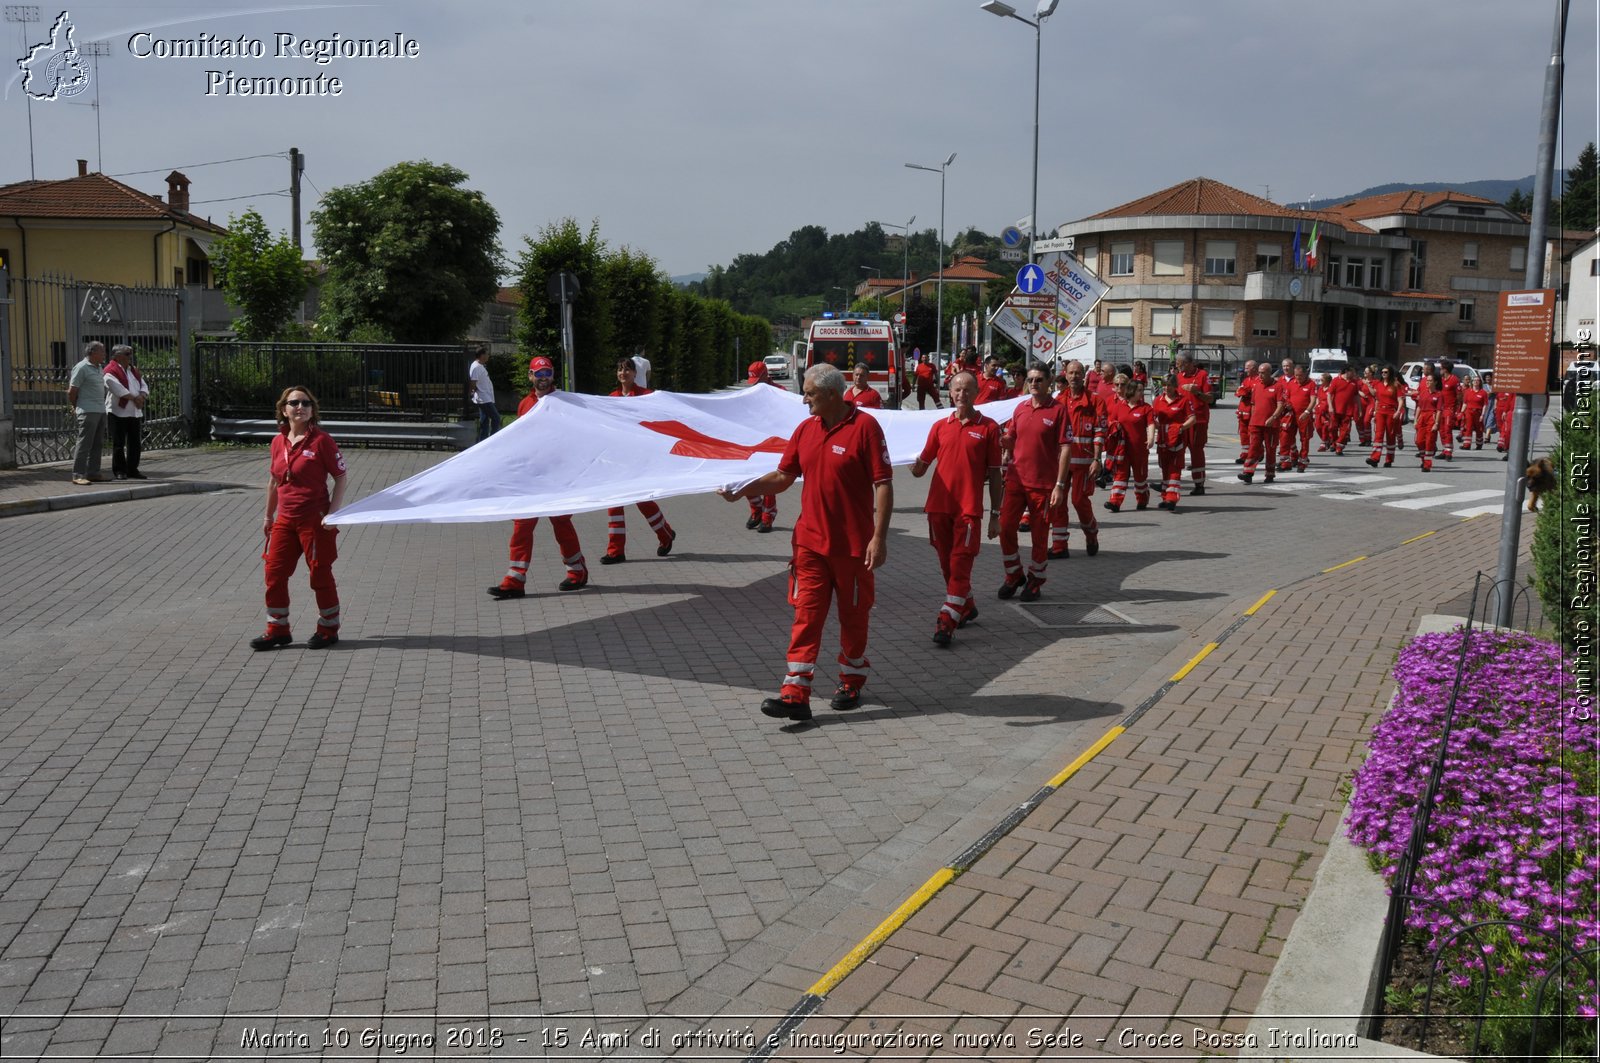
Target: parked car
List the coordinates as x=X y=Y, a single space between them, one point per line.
x=777 y=366
x=1411 y=373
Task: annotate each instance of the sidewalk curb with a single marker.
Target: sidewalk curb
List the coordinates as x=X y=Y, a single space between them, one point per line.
x=1329 y=964
x=52 y=503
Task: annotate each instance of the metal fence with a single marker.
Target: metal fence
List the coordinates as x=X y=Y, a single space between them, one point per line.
x=1460 y=955
x=45 y=322
x=368 y=382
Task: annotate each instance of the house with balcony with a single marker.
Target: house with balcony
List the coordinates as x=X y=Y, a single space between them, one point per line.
x=1398 y=277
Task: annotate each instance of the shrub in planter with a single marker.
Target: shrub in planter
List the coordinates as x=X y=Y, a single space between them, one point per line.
x=1515 y=835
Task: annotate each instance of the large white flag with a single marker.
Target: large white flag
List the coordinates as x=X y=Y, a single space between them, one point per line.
x=576 y=453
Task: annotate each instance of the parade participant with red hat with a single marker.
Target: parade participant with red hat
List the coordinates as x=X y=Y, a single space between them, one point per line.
x=542 y=380
x=763 y=508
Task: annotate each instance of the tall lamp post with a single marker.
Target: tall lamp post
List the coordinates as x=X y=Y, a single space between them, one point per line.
x=1043 y=11
x=905 y=248
x=939 y=169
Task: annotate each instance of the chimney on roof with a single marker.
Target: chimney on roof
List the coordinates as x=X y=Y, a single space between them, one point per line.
x=83 y=167
x=178 y=191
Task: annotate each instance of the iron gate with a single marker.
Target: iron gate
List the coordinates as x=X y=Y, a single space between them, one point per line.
x=45 y=323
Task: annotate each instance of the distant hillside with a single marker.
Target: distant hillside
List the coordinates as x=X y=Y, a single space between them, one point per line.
x=1495 y=190
x=686 y=279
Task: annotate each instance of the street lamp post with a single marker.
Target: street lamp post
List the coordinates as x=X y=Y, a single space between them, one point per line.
x=1043 y=11
x=905 y=249
x=940 y=169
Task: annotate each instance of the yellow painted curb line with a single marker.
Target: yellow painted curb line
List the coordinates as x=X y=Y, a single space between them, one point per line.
x=1347 y=564
x=1414 y=538
x=1259 y=603
x=1196 y=659
x=1089 y=754
x=870 y=943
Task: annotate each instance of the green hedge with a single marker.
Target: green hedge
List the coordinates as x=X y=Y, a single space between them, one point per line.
x=1565 y=540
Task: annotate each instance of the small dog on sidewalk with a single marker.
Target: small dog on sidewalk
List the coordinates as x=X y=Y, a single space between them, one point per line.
x=1540 y=477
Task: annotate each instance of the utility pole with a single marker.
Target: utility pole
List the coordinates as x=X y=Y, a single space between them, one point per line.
x=96 y=49
x=24 y=14
x=297 y=165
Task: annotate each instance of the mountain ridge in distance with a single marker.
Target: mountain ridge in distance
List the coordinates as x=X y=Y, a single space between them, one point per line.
x=1495 y=190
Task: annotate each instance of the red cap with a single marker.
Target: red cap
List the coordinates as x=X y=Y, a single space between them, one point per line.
x=757 y=370
x=541 y=362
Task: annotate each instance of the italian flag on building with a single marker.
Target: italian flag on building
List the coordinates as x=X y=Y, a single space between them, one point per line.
x=1311 y=246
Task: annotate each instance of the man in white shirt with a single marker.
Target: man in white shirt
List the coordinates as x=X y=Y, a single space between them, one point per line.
x=483 y=394
x=641 y=367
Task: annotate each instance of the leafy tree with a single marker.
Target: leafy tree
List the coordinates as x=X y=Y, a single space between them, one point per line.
x=411 y=252
x=265 y=278
x=1519 y=201
x=564 y=246
x=1580 y=200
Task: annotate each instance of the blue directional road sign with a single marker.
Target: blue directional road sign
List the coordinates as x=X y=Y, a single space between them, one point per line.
x=1030 y=279
x=1012 y=236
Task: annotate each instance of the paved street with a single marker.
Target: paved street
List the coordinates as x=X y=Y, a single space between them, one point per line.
x=504 y=824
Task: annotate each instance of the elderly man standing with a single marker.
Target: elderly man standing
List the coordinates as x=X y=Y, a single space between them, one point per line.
x=1035 y=439
x=1196 y=383
x=839 y=539
x=86 y=391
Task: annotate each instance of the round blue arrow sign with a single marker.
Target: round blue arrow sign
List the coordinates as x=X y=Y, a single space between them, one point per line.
x=1030 y=279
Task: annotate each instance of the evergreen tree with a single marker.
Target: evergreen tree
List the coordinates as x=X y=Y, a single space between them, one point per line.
x=1519 y=201
x=1580 y=199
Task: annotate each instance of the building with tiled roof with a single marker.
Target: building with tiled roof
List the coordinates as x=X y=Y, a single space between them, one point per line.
x=1398 y=276
x=968 y=271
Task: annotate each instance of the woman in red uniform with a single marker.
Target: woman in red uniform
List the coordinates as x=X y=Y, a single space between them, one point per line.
x=303 y=458
x=1128 y=445
x=1427 y=397
x=1505 y=402
x=1172 y=416
x=1474 y=401
x=616 y=518
x=1389 y=396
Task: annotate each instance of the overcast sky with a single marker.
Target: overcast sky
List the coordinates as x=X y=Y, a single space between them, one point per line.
x=697 y=130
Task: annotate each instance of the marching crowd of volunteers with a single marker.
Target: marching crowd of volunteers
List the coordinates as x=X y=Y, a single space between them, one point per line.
x=1077 y=430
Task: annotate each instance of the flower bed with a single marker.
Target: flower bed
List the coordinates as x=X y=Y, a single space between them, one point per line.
x=1514 y=841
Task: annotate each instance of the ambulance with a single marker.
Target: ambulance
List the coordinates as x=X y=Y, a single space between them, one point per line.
x=845 y=342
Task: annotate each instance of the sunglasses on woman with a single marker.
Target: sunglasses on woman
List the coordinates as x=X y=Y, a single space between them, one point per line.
x=297 y=402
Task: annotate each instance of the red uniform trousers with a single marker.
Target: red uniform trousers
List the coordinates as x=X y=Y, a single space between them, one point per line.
x=1171 y=461
x=288 y=540
x=1197 y=453
x=1386 y=424
x=1472 y=426
x=617 y=527
x=1324 y=418
x=1502 y=426
x=1243 y=415
x=814 y=580
x=1425 y=437
x=1339 y=430
x=522 y=551
x=1263 y=443
x=1036 y=503
x=927 y=389
x=1080 y=496
x=955 y=538
x=764 y=508
x=1364 y=422
x=1444 y=421
x=1124 y=460
x=1294 y=442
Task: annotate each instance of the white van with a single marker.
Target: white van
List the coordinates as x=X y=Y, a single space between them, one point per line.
x=1330 y=360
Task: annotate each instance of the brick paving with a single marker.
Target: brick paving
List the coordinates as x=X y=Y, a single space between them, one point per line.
x=566 y=806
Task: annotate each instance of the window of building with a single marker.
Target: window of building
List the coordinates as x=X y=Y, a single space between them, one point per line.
x=5 y=258
x=1221 y=256
x=1519 y=258
x=1469 y=255
x=1165 y=321
x=1269 y=256
x=1216 y=321
x=1335 y=269
x=1375 y=273
x=1594 y=268
x=1413 y=333
x=1475 y=211
x=1265 y=323
x=1090 y=256
x=1119 y=317
x=1355 y=270
x=197 y=271
x=1122 y=259
x=1167 y=258
x=1465 y=310
x=1419 y=265
x=1302 y=325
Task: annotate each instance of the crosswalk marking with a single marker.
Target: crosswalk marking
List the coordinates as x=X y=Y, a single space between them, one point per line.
x=1477 y=511
x=1441 y=500
x=1380 y=492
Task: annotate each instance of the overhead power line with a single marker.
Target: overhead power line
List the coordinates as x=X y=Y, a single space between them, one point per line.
x=197 y=165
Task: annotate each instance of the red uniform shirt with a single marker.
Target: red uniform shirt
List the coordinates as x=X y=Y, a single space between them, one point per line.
x=840 y=466
x=1448 y=400
x=1473 y=400
x=1300 y=394
x=529 y=401
x=990 y=389
x=1264 y=398
x=1130 y=422
x=1505 y=402
x=925 y=372
x=867 y=398
x=636 y=391
x=1426 y=398
x=1035 y=436
x=1343 y=395
x=1168 y=416
x=1086 y=423
x=1201 y=395
x=1388 y=396
x=301 y=472
x=966 y=451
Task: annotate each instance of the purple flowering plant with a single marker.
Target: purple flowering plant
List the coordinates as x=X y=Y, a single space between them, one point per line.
x=1515 y=831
